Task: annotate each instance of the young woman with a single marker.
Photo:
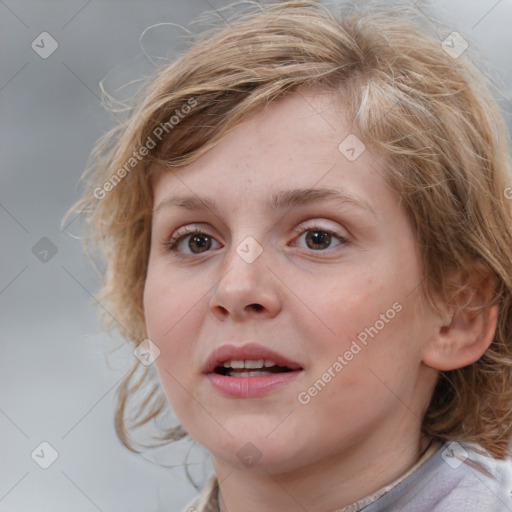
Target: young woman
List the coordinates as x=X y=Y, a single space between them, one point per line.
x=306 y=226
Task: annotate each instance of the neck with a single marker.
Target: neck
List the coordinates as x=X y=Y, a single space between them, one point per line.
x=342 y=479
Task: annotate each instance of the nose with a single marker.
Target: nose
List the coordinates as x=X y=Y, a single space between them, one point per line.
x=245 y=290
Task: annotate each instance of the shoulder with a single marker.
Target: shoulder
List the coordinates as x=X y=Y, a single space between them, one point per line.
x=459 y=476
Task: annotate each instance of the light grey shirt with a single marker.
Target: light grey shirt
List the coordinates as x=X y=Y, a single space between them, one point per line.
x=453 y=477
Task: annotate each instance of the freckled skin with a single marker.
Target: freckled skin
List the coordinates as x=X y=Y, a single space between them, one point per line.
x=312 y=305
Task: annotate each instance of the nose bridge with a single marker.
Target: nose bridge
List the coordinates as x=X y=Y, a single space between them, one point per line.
x=246 y=286
x=244 y=268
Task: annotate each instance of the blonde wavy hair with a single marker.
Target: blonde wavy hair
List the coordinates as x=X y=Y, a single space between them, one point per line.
x=432 y=116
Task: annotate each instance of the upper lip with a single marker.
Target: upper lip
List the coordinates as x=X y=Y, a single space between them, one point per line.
x=248 y=351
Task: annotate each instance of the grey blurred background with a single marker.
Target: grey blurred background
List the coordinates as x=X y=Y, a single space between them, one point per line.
x=58 y=372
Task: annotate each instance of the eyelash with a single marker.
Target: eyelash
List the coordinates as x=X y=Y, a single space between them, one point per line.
x=175 y=240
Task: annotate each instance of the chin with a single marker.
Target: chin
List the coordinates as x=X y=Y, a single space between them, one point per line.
x=256 y=450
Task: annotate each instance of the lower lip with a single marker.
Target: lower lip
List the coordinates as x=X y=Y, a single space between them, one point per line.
x=245 y=387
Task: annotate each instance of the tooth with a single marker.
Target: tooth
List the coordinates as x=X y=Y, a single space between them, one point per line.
x=248 y=374
x=226 y=364
x=269 y=363
x=236 y=364
x=254 y=363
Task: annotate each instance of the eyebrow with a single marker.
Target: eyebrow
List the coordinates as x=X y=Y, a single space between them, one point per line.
x=286 y=199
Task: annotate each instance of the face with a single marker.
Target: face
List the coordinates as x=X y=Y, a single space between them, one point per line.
x=278 y=247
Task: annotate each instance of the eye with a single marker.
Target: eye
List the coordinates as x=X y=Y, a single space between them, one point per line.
x=319 y=239
x=194 y=242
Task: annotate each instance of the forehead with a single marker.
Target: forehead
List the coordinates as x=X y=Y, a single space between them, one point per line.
x=297 y=142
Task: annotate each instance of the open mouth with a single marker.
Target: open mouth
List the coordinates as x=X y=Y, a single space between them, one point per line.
x=250 y=368
x=249 y=371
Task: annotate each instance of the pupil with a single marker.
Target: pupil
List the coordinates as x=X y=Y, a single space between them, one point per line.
x=202 y=242
x=318 y=238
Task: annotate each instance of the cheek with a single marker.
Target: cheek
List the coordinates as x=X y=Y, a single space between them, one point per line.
x=371 y=317
x=350 y=304
x=171 y=311
x=171 y=308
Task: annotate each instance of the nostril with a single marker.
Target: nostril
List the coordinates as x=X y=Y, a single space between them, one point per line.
x=256 y=307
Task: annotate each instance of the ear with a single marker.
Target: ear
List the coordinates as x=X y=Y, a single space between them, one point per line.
x=466 y=326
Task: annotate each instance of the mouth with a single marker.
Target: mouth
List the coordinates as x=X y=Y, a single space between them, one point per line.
x=248 y=371
x=237 y=361
x=250 y=368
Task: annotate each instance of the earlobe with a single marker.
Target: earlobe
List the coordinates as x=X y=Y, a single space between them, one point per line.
x=465 y=331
